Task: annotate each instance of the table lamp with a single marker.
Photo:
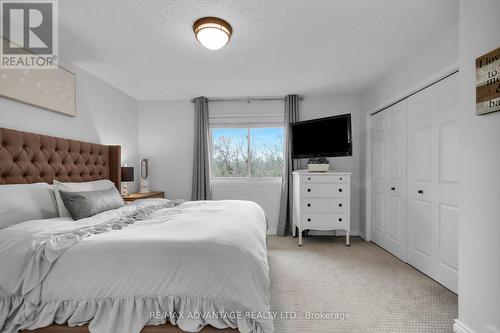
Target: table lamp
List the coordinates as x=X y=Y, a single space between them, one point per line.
x=127 y=176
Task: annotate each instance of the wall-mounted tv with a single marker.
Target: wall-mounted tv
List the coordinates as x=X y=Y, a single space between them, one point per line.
x=328 y=137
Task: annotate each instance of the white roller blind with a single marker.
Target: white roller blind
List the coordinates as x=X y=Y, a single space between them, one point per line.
x=244 y=114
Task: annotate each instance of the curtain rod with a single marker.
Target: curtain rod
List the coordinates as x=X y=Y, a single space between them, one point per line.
x=246 y=99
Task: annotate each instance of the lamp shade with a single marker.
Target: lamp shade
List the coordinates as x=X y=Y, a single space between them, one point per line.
x=127 y=174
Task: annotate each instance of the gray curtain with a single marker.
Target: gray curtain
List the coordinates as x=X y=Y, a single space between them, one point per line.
x=285 y=218
x=201 y=168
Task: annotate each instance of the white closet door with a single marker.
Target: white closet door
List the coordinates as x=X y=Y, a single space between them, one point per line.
x=396 y=175
x=379 y=186
x=421 y=162
x=389 y=180
x=432 y=182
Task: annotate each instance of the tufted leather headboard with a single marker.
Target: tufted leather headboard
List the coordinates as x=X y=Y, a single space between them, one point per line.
x=31 y=158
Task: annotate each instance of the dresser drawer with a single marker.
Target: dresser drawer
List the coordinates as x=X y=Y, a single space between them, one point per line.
x=325 y=179
x=324 y=221
x=325 y=190
x=330 y=205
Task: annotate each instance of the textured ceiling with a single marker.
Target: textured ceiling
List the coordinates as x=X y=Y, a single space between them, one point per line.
x=147 y=48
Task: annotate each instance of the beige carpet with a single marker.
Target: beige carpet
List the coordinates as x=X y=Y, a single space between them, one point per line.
x=360 y=288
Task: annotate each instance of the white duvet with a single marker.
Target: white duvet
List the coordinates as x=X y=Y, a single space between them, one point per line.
x=192 y=264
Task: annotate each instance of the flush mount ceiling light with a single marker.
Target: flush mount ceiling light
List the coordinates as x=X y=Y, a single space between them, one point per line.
x=212 y=32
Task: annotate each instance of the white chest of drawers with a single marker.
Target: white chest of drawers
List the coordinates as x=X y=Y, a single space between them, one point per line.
x=321 y=201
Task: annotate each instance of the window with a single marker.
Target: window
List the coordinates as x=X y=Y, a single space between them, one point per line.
x=249 y=152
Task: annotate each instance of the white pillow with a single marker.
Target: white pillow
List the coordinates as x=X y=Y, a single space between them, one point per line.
x=96 y=185
x=25 y=202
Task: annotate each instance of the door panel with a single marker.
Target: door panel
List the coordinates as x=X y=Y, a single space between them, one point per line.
x=389 y=180
x=448 y=236
x=422 y=154
x=379 y=178
x=394 y=207
x=448 y=157
x=433 y=161
x=395 y=157
x=447 y=270
x=396 y=199
x=379 y=213
x=421 y=163
x=448 y=179
x=379 y=161
x=422 y=219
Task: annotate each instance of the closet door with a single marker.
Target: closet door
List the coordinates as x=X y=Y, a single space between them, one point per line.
x=379 y=177
x=448 y=180
x=396 y=176
x=389 y=180
x=432 y=182
x=421 y=190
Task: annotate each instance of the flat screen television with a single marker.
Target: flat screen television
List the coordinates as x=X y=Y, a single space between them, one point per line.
x=327 y=137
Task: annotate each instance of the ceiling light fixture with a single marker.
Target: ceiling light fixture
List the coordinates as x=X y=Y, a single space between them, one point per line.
x=212 y=32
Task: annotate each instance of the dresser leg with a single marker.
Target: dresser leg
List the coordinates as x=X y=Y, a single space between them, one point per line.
x=300 y=237
x=294 y=231
x=347 y=239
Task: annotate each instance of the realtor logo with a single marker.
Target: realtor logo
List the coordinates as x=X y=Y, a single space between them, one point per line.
x=29 y=34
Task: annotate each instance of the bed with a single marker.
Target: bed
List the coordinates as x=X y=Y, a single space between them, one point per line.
x=152 y=266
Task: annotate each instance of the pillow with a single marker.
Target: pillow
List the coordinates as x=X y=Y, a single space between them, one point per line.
x=89 y=203
x=25 y=202
x=78 y=187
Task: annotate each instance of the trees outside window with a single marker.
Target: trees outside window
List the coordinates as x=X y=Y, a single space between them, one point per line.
x=247 y=152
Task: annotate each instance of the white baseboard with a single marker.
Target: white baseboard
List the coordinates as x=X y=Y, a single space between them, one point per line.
x=363 y=235
x=460 y=327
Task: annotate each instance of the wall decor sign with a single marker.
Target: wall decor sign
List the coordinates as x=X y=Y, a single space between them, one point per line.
x=52 y=89
x=488 y=83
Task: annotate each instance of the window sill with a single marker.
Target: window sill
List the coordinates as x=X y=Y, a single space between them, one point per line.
x=275 y=181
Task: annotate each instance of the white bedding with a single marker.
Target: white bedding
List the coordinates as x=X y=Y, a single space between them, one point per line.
x=24 y=202
x=205 y=261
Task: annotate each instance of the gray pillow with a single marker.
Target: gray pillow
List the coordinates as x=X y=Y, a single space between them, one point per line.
x=89 y=203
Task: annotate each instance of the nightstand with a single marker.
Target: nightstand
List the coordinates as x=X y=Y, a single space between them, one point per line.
x=148 y=195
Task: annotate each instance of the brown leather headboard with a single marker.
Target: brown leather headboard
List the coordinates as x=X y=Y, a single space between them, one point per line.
x=31 y=158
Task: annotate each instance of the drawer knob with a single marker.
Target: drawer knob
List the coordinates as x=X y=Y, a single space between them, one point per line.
x=308 y=190
x=308 y=178
x=340 y=204
x=420 y=191
x=340 y=178
x=340 y=219
x=340 y=190
x=393 y=189
x=308 y=220
x=308 y=205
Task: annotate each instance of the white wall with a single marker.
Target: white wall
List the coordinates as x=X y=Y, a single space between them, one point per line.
x=440 y=53
x=479 y=194
x=166 y=138
x=103 y=115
